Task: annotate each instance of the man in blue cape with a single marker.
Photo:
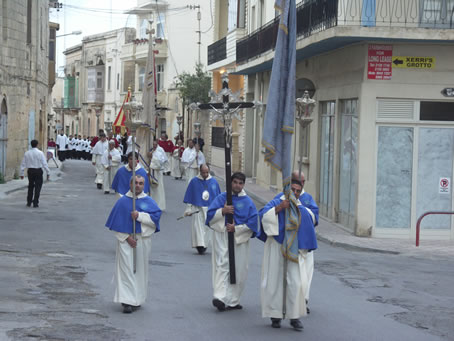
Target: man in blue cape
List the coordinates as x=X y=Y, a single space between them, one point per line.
x=201 y=192
x=131 y=288
x=308 y=202
x=294 y=244
x=245 y=226
x=120 y=182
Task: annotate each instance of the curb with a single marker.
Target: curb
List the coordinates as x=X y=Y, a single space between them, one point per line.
x=25 y=186
x=352 y=247
x=321 y=237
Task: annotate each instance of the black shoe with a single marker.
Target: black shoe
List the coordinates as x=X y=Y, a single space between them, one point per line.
x=219 y=304
x=235 y=307
x=135 y=307
x=308 y=311
x=296 y=324
x=35 y=205
x=275 y=322
x=29 y=205
x=105 y=192
x=127 y=309
x=99 y=186
x=201 y=250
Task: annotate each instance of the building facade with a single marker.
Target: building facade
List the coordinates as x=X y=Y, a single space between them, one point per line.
x=24 y=79
x=380 y=149
x=92 y=92
x=178 y=47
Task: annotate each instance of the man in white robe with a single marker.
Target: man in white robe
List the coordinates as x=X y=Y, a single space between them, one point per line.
x=297 y=243
x=111 y=160
x=308 y=202
x=189 y=161
x=177 y=168
x=199 y=157
x=158 y=163
x=62 y=143
x=98 y=150
x=200 y=193
x=245 y=226
x=132 y=288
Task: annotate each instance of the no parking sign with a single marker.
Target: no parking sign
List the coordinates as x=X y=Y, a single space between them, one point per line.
x=444 y=186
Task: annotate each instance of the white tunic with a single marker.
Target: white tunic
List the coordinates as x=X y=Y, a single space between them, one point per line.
x=110 y=167
x=62 y=141
x=222 y=289
x=157 y=164
x=190 y=164
x=272 y=284
x=133 y=288
x=200 y=233
x=177 y=166
x=98 y=151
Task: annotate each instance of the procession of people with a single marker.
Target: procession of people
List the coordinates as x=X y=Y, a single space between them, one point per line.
x=288 y=254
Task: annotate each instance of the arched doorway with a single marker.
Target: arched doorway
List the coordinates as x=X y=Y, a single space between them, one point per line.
x=3 y=135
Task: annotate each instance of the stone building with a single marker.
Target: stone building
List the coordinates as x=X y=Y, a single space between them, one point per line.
x=178 y=47
x=380 y=149
x=92 y=93
x=24 y=79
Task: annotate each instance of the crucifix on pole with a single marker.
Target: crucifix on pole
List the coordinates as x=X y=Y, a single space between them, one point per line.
x=226 y=111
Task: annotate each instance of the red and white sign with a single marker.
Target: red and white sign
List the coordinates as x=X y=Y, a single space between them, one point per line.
x=445 y=186
x=379 y=62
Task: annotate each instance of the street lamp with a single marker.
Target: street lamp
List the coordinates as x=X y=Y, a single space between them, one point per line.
x=179 y=122
x=304 y=107
x=74 y=33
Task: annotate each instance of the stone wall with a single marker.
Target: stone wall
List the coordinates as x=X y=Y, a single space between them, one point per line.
x=24 y=77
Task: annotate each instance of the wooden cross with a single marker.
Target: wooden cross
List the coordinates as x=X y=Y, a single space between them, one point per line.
x=226 y=110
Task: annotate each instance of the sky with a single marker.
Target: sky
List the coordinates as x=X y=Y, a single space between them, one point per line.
x=90 y=17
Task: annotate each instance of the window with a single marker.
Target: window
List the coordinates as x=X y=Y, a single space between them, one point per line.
x=99 y=80
x=4 y=25
x=109 y=74
x=91 y=79
x=217 y=137
x=233 y=15
x=143 y=29
x=51 y=50
x=159 y=77
x=29 y=21
x=128 y=75
x=141 y=78
x=118 y=81
x=436 y=111
x=41 y=23
x=160 y=26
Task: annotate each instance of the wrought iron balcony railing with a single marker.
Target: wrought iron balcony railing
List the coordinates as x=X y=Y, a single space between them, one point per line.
x=319 y=15
x=217 y=51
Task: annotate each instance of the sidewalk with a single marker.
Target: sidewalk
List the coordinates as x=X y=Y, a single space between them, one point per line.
x=11 y=186
x=336 y=235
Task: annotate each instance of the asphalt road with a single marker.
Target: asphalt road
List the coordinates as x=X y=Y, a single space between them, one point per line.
x=57 y=265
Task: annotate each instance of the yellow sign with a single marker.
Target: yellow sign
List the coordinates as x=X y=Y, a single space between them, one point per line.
x=414 y=62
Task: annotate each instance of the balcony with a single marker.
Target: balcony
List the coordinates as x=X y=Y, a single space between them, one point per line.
x=319 y=15
x=217 y=51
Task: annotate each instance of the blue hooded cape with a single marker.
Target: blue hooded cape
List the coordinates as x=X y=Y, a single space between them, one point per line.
x=120 y=218
x=307 y=201
x=306 y=231
x=121 y=180
x=245 y=211
x=195 y=189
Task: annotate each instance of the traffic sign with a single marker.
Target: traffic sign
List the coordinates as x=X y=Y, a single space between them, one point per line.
x=413 y=62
